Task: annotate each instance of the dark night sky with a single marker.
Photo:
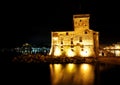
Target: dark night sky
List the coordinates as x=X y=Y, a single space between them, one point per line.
x=32 y=22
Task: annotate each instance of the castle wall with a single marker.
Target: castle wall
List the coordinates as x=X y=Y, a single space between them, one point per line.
x=82 y=41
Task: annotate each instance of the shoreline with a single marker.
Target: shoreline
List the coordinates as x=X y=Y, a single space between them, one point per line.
x=52 y=60
x=64 y=60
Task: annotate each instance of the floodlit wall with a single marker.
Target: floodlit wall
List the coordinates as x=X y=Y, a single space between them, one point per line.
x=82 y=41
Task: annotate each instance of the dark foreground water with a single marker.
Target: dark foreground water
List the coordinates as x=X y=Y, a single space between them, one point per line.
x=59 y=74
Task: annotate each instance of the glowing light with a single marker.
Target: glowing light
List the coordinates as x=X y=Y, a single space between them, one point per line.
x=55 y=38
x=57 y=67
x=56 y=72
x=85 y=67
x=117 y=52
x=88 y=74
x=57 y=51
x=70 y=53
x=75 y=74
x=70 y=67
x=77 y=39
x=117 y=46
x=85 y=53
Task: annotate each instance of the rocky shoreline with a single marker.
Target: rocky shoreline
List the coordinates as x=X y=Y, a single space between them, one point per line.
x=49 y=59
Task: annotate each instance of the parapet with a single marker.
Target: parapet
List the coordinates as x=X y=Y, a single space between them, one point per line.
x=81 y=15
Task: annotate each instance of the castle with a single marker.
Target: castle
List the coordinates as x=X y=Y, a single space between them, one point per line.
x=82 y=42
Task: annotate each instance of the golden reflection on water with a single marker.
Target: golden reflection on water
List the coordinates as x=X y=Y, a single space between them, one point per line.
x=72 y=74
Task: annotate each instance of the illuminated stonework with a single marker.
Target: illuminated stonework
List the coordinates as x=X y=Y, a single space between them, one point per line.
x=82 y=41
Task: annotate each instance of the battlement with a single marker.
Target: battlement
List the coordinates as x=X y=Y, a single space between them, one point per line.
x=81 y=15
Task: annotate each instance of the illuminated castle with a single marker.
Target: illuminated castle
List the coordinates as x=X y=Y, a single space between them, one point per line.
x=82 y=42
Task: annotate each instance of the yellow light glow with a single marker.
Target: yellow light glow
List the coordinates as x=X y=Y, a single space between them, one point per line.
x=57 y=51
x=85 y=53
x=85 y=67
x=70 y=53
x=75 y=74
x=70 y=67
x=87 y=72
x=57 y=67
x=117 y=46
x=76 y=39
x=56 y=72
x=117 y=52
x=55 y=38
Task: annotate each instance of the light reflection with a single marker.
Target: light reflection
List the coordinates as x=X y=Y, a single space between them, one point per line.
x=85 y=67
x=87 y=74
x=56 y=72
x=72 y=74
x=70 y=67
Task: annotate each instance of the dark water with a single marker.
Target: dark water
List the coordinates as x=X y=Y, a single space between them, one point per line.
x=59 y=74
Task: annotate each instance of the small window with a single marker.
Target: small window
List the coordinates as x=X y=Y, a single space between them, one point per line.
x=71 y=39
x=94 y=33
x=71 y=42
x=61 y=42
x=72 y=49
x=61 y=46
x=72 y=46
x=66 y=33
x=61 y=49
x=82 y=49
x=80 y=39
x=86 y=32
x=80 y=20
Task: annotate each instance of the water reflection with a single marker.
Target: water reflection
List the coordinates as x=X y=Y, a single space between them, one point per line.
x=72 y=74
